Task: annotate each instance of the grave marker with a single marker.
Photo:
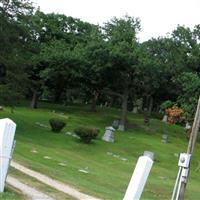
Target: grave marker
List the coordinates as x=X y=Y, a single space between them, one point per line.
x=115 y=124
x=165 y=138
x=109 y=134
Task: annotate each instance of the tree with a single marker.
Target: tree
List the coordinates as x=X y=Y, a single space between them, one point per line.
x=62 y=68
x=189 y=90
x=61 y=49
x=188 y=43
x=163 y=59
x=120 y=35
x=95 y=60
x=188 y=82
x=53 y=44
x=13 y=35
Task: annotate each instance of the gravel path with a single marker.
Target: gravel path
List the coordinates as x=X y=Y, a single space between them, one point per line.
x=28 y=191
x=53 y=183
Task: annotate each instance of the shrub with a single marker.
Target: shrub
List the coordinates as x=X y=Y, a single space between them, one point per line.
x=175 y=115
x=166 y=104
x=56 y=125
x=87 y=134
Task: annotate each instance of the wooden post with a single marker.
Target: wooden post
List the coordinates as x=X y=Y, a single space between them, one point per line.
x=191 y=145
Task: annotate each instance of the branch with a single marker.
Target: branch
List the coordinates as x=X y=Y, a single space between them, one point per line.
x=111 y=93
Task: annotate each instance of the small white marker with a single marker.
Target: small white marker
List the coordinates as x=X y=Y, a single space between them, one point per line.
x=47 y=157
x=62 y=164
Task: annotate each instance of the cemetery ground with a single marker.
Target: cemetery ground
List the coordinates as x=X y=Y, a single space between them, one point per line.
x=99 y=169
x=11 y=194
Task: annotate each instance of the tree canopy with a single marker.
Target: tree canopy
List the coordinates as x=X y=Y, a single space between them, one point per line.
x=58 y=57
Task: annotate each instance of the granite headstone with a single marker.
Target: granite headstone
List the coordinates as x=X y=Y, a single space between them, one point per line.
x=109 y=134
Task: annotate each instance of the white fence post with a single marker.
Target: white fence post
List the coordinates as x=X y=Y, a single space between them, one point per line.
x=7 y=133
x=139 y=177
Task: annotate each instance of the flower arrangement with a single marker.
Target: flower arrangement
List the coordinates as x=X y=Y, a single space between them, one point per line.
x=175 y=115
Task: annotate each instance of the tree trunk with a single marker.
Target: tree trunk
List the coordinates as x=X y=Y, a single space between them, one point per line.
x=150 y=104
x=146 y=102
x=158 y=108
x=123 y=119
x=94 y=101
x=130 y=103
x=34 y=100
x=58 y=94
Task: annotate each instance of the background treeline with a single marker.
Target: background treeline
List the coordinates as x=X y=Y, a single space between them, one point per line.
x=65 y=60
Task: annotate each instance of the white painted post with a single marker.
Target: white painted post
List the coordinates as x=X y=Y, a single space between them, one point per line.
x=139 y=177
x=7 y=133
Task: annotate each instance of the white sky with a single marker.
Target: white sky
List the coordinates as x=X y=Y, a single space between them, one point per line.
x=158 y=17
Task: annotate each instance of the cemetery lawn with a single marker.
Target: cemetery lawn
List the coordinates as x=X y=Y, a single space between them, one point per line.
x=38 y=185
x=109 y=165
x=11 y=194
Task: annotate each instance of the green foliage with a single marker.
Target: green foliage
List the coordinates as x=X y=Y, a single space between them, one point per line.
x=52 y=54
x=12 y=89
x=11 y=194
x=86 y=134
x=166 y=104
x=121 y=37
x=57 y=124
x=14 y=15
x=9 y=97
x=189 y=87
x=58 y=62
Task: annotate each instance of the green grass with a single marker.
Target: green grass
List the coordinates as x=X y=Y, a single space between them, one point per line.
x=109 y=175
x=11 y=194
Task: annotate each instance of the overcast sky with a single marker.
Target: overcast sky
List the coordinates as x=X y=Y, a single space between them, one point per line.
x=158 y=17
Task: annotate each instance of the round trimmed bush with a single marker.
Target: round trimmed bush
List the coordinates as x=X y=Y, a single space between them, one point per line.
x=86 y=134
x=56 y=125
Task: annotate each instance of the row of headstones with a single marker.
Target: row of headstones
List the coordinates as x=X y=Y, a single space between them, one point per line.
x=110 y=131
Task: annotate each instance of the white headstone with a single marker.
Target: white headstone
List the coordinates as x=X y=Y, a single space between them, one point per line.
x=115 y=124
x=164 y=118
x=135 y=109
x=109 y=134
x=187 y=125
x=7 y=133
x=121 y=127
x=164 y=138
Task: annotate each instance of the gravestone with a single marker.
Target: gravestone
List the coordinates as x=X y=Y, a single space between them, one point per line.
x=109 y=134
x=121 y=127
x=188 y=130
x=164 y=118
x=165 y=138
x=115 y=124
x=135 y=110
x=187 y=126
x=149 y=154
